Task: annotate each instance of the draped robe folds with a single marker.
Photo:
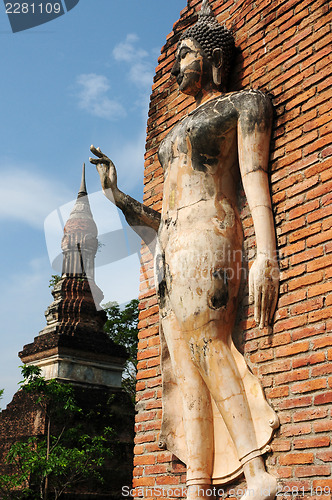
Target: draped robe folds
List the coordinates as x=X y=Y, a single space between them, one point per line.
x=226 y=463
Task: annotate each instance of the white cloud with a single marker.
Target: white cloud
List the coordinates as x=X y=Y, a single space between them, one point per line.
x=141 y=69
x=92 y=97
x=128 y=51
x=28 y=197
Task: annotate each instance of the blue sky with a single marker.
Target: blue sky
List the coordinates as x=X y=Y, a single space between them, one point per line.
x=84 y=78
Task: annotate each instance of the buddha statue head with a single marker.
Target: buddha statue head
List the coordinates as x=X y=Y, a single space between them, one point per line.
x=205 y=52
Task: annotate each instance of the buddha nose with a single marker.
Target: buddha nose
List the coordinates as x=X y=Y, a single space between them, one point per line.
x=176 y=69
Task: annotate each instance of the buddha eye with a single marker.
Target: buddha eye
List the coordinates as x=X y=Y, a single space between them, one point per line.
x=183 y=53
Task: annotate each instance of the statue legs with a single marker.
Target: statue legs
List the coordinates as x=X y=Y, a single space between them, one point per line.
x=204 y=367
x=196 y=406
x=198 y=299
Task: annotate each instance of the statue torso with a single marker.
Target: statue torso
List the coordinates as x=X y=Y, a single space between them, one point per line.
x=201 y=174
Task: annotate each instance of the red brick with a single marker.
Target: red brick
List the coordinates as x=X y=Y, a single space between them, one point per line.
x=322 y=399
x=316 y=442
x=307 y=306
x=325 y=313
x=144 y=460
x=313 y=253
x=323 y=426
x=312 y=470
x=323 y=369
x=281 y=445
x=321 y=263
x=302 y=188
x=295 y=402
x=143 y=481
x=261 y=356
x=295 y=429
x=308 y=386
x=312 y=359
x=167 y=480
x=144 y=438
x=310 y=414
x=276 y=366
x=325 y=484
x=292 y=349
x=320 y=214
x=306 y=280
x=277 y=392
x=155 y=469
x=140 y=386
x=305 y=232
x=148 y=353
x=291 y=376
x=292 y=249
x=296 y=458
x=144 y=416
x=303 y=209
x=325 y=456
x=320 y=289
x=309 y=331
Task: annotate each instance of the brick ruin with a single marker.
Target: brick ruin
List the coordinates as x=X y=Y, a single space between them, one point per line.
x=73 y=348
x=284 y=49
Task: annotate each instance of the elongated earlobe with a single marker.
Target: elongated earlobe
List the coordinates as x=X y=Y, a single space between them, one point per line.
x=216 y=75
x=217 y=66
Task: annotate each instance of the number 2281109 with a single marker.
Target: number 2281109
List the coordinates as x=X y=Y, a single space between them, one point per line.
x=33 y=8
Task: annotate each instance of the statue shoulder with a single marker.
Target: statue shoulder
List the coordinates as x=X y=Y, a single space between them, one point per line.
x=254 y=108
x=252 y=102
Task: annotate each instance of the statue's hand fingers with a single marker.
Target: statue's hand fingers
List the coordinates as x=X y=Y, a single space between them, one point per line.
x=264 y=306
x=268 y=302
x=258 y=303
x=96 y=151
x=94 y=161
x=273 y=304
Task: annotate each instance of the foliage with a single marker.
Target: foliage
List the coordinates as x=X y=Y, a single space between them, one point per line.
x=53 y=463
x=1 y=394
x=53 y=396
x=55 y=278
x=121 y=326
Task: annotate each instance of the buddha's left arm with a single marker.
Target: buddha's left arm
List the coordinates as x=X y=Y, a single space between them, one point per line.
x=254 y=133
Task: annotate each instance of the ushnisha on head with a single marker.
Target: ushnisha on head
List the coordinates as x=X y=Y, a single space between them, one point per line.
x=215 y=42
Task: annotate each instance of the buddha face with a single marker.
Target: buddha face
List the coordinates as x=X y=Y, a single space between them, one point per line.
x=192 y=68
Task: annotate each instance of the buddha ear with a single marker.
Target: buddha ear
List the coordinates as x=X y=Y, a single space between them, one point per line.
x=217 y=57
x=217 y=63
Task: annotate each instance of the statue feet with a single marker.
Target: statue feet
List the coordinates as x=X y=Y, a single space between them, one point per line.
x=260 y=484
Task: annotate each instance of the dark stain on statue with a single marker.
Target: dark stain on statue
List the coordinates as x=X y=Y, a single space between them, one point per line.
x=205 y=345
x=161 y=279
x=220 y=297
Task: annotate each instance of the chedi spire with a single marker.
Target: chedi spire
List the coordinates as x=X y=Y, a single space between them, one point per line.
x=79 y=243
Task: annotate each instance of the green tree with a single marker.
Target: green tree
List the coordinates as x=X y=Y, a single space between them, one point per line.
x=1 y=394
x=121 y=326
x=53 y=463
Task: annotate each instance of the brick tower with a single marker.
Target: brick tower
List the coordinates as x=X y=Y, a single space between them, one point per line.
x=73 y=348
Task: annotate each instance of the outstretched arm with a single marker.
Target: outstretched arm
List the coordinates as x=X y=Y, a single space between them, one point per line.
x=140 y=217
x=254 y=132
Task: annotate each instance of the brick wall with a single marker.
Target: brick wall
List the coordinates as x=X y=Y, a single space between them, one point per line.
x=284 y=50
